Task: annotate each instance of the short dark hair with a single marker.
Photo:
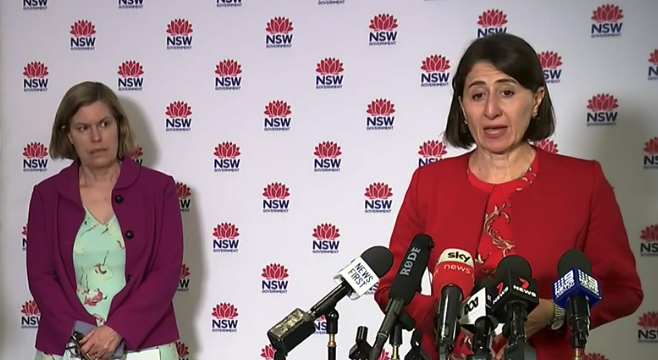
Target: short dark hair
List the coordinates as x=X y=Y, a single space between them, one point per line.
x=515 y=57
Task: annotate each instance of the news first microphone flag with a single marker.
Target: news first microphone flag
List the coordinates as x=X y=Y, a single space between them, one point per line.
x=293 y=128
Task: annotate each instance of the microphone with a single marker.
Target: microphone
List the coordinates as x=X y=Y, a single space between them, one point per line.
x=483 y=335
x=361 y=348
x=453 y=279
x=478 y=305
x=405 y=285
x=576 y=291
x=516 y=298
x=354 y=280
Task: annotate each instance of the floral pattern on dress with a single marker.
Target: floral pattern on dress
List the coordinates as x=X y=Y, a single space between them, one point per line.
x=99 y=258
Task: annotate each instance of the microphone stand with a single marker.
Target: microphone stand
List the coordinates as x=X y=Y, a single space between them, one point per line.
x=278 y=355
x=483 y=338
x=361 y=349
x=416 y=352
x=518 y=347
x=396 y=341
x=579 y=325
x=332 y=330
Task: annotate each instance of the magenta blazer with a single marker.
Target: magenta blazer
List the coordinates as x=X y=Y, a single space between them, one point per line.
x=146 y=205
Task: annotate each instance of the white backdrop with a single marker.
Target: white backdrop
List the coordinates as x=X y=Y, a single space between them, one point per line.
x=319 y=99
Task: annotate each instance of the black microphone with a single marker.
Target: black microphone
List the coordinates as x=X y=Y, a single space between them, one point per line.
x=516 y=296
x=405 y=285
x=356 y=278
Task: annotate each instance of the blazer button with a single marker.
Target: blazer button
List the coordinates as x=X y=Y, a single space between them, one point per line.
x=129 y=234
x=128 y=277
x=118 y=199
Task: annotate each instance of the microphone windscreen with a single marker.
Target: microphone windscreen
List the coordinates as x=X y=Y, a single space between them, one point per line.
x=455 y=267
x=379 y=258
x=574 y=258
x=514 y=264
x=408 y=279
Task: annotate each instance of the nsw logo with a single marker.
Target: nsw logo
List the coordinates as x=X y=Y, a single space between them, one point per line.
x=594 y=356
x=225 y=318
x=278 y=116
x=184 y=281
x=380 y=115
x=652 y=73
x=225 y=238
x=184 y=195
x=82 y=35
x=227 y=154
x=551 y=62
x=36 y=77
x=182 y=350
x=35 y=4
x=606 y=21
x=435 y=71
x=227 y=75
x=130 y=76
x=30 y=315
x=131 y=4
x=320 y=325
x=650 y=245
x=179 y=35
x=178 y=117
x=651 y=154
x=647 y=331
x=229 y=3
x=431 y=151
x=278 y=33
x=137 y=155
x=327 y=157
x=24 y=238
x=274 y=279
x=267 y=353
x=326 y=239
x=373 y=289
x=276 y=198
x=378 y=198
x=34 y=157
x=330 y=74
x=602 y=110
x=491 y=22
x=382 y=30
x=546 y=145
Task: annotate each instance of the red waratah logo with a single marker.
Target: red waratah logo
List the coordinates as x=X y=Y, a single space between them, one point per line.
x=184 y=282
x=384 y=355
x=330 y=74
x=274 y=279
x=606 y=21
x=430 y=152
x=35 y=157
x=651 y=154
x=225 y=318
x=278 y=116
x=137 y=155
x=602 y=110
x=267 y=352
x=491 y=22
x=648 y=327
x=227 y=154
x=653 y=65
x=380 y=115
x=228 y=75
x=650 y=245
x=435 y=71
x=373 y=289
x=327 y=153
x=383 y=30
x=550 y=62
x=594 y=356
x=182 y=350
x=184 y=194
x=24 y=240
x=179 y=35
x=278 y=33
x=225 y=238
x=30 y=315
x=378 y=198
x=130 y=76
x=326 y=239
x=178 y=117
x=547 y=145
x=276 y=198
x=82 y=35
x=35 y=74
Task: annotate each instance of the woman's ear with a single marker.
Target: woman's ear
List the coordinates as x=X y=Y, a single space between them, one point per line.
x=538 y=98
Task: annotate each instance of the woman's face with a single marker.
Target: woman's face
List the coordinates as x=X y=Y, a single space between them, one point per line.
x=94 y=134
x=497 y=108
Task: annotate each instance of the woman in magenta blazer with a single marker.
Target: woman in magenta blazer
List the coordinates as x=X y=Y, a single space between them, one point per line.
x=508 y=197
x=105 y=236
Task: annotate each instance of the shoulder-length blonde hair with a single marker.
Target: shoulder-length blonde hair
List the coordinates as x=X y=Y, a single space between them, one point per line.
x=83 y=94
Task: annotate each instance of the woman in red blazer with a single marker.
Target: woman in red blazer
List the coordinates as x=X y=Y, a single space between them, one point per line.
x=105 y=237
x=508 y=197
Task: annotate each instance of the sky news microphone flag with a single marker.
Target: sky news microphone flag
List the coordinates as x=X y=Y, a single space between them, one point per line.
x=293 y=128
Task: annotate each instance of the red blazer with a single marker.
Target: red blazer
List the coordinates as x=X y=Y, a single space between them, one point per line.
x=569 y=205
x=146 y=205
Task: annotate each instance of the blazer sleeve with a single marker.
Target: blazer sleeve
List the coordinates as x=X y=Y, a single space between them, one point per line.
x=613 y=262
x=142 y=311
x=42 y=280
x=409 y=222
